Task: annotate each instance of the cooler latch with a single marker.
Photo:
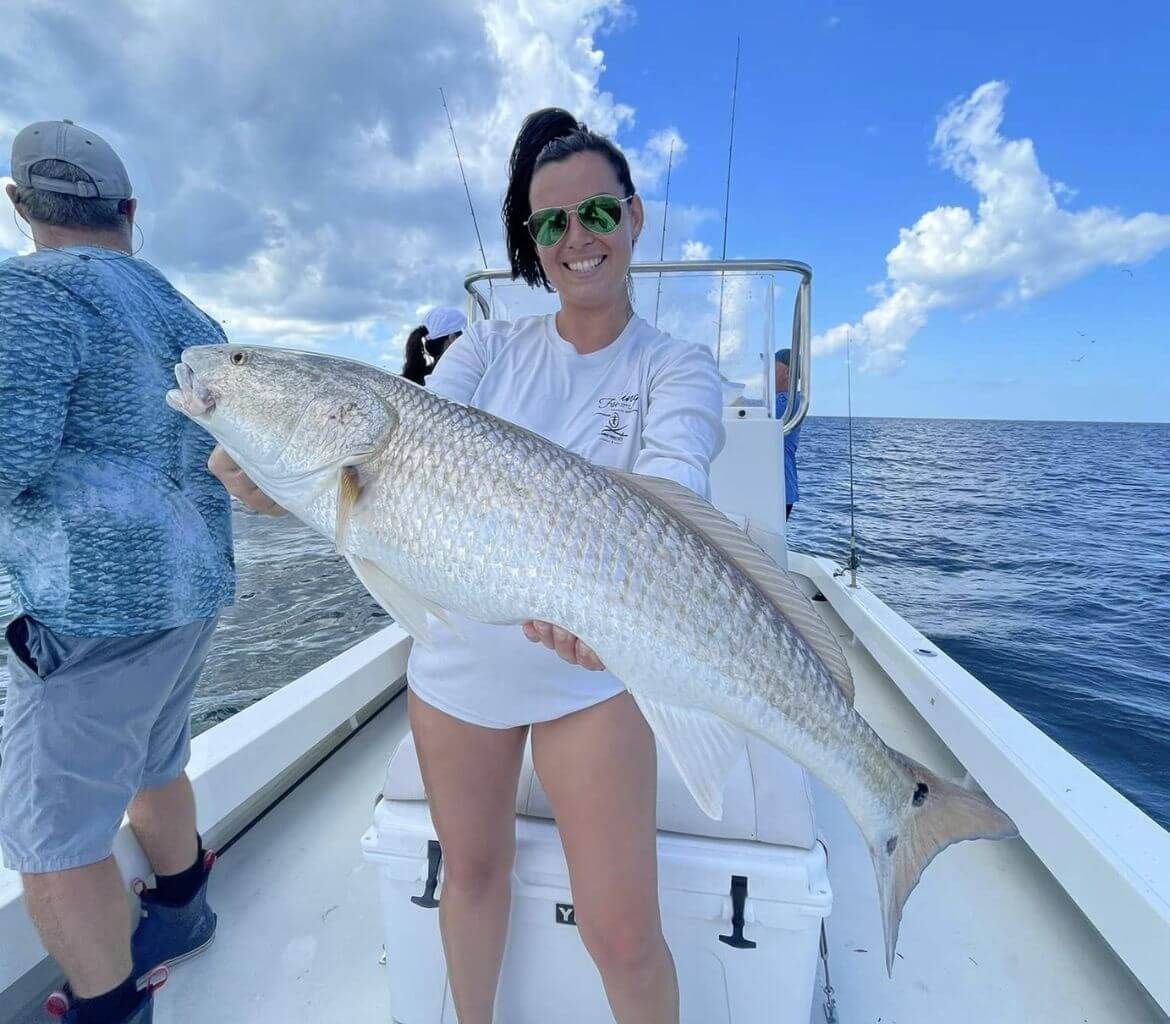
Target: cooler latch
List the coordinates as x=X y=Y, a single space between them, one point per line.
x=738 y=899
x=434 y=859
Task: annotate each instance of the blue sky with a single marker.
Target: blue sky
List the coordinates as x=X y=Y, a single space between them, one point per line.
x=837 y=110
x=296 y=176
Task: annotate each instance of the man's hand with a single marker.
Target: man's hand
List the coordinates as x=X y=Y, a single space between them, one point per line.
x=223 y=467
x=564 y=643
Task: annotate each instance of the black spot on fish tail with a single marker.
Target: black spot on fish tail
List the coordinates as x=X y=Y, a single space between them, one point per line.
x=938 y=814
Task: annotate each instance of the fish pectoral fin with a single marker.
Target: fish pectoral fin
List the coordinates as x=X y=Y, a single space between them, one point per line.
x=349 y=489
x=407 y=608
x=703 y=747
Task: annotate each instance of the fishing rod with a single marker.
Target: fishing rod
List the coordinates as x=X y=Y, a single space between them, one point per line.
x=854 y=563
x=467 y=191
x=726 y=206
x=662 y=243
x=463 y=175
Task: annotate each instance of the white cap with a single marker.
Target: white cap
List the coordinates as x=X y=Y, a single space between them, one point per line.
x=444 y=320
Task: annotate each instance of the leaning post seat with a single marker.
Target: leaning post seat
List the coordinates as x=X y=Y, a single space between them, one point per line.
x=767 y=799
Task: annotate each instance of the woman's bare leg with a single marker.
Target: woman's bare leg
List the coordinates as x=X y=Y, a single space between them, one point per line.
x=470 y=774
x=599 y=769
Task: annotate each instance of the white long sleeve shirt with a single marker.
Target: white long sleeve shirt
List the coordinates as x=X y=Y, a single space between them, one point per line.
x=646 y=403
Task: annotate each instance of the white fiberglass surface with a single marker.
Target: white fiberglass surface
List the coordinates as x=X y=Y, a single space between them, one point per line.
x=987 y=935
x=300 y=932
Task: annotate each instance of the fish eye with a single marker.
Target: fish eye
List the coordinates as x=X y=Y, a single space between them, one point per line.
x=238 y=358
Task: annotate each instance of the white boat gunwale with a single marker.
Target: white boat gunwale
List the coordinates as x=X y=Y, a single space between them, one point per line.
x=1111 y=858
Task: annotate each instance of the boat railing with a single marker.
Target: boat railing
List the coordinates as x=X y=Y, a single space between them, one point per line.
x=800 y=362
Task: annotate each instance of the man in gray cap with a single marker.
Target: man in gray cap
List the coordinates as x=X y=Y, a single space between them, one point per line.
x=119 y=542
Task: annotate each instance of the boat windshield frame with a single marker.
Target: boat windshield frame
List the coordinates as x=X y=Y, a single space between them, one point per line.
x=800 y=362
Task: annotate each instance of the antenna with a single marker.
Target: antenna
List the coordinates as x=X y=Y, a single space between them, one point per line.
x=854 y=563
x=662 y=244
x=726 y=206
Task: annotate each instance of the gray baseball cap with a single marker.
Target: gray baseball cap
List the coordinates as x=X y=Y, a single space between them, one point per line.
x=66 y=141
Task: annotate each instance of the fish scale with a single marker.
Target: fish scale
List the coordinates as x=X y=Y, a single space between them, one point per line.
x=445 y=509
x=667 y=576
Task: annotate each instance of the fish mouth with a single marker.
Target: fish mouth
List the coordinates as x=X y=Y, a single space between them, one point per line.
x=192 y=397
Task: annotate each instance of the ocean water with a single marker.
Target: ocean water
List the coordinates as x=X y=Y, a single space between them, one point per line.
x=1035 y=554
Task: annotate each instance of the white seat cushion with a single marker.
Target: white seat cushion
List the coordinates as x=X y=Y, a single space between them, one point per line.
x=767 y=798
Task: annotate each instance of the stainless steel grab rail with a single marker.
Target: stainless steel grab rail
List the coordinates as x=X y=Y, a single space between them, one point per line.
x=800 y=362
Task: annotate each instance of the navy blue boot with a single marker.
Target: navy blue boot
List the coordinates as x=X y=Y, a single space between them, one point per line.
x=166 y=933
x=60 y=1005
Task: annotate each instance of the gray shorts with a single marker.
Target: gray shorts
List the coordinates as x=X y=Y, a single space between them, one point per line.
x=89 y=722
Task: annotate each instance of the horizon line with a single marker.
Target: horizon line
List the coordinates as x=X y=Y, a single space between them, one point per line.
x=992 y=419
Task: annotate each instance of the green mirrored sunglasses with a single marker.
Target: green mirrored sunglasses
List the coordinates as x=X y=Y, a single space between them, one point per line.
x=599 y=214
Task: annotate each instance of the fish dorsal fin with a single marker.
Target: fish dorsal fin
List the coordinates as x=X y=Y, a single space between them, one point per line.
x=408 y=609
x=776 y=584
x=704 y=748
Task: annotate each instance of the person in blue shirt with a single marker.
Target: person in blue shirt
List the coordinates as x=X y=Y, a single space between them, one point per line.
x=791 y=484
x=118 y=540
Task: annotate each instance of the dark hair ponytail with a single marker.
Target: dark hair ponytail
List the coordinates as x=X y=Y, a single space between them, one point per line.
x=415 y=366
x=546 y=136
x=423 y=352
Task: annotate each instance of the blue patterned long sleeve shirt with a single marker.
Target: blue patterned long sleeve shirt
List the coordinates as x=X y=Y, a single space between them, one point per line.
x=791 y=479
x=110 y=523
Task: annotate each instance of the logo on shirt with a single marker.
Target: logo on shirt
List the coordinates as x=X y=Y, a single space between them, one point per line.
x=616 y=413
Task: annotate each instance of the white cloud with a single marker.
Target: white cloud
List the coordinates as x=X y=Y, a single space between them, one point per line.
x=695 y=250
x=683 y=222
x=11 y=240
x=648 y=165
x=295 y=169
x=1018 y=244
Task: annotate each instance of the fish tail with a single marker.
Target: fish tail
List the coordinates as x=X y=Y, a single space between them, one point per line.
x=936 y=814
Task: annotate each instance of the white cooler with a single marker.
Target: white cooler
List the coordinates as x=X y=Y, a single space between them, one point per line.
x=760 y=864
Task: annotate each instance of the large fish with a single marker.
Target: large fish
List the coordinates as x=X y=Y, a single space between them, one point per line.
x=440 y=508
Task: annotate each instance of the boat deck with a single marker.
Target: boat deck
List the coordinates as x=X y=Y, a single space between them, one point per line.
x=989 y=935
x=300 y=930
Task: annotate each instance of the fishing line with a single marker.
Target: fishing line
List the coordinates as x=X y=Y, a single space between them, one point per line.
x=662 y=243
x=726 y=207
x=467 y=192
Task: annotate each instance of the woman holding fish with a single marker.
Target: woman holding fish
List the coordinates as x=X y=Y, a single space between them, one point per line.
x=602 y=382
x=556 y=471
